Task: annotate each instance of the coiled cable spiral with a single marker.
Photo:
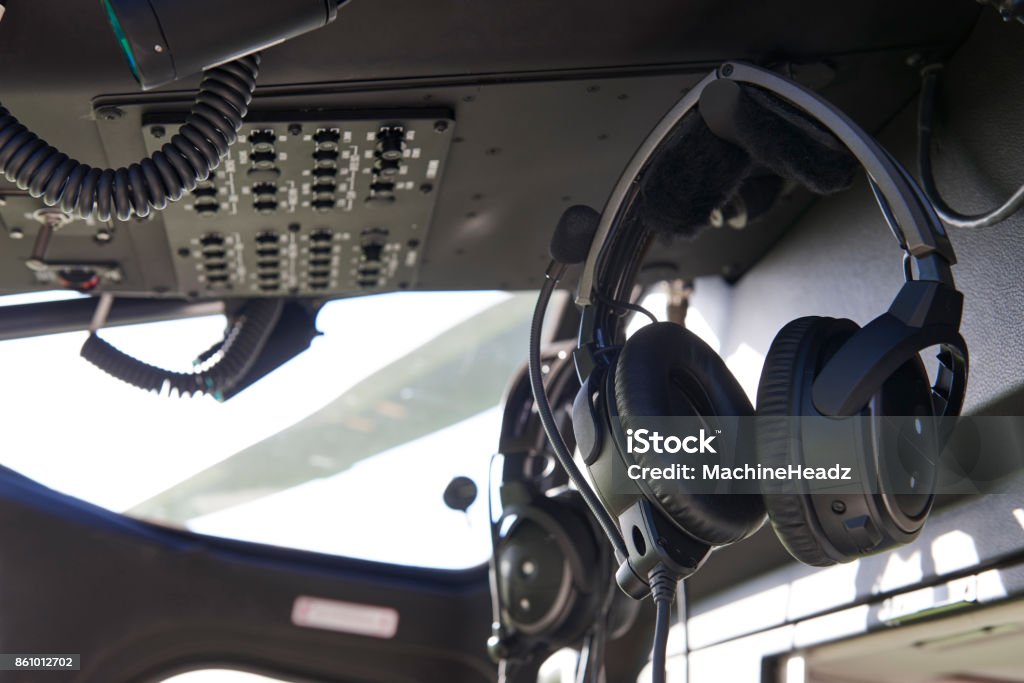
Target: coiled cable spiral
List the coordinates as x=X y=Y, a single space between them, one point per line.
x=243 y=343
x=210 y=129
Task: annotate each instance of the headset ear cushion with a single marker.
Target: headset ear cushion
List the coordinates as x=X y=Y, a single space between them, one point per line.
x=666 y=370
x=789 y=370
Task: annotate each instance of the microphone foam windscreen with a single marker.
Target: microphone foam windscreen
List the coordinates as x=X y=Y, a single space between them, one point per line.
x=574 y=234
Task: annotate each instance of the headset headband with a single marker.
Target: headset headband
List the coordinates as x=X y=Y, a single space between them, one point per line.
x=925 y=313
x=913 y=220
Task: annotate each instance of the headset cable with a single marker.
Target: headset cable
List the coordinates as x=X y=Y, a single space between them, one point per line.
x=925 y=127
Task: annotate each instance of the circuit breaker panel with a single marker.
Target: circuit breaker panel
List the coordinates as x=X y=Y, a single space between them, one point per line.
x=331 y=204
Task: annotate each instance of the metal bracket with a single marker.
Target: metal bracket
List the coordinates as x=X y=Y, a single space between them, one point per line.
x=78 y=276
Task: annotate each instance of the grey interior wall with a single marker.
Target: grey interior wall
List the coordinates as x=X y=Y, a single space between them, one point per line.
x=840 y=259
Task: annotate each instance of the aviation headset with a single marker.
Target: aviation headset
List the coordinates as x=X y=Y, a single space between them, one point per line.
x=739 y=122
x=551 y=574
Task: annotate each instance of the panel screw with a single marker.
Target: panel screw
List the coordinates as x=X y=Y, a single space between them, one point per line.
x=158 y=132
x=727 y=70
x=295 y=129
x=440 y=126
x=109 y=113
x=838 y=507
x=426 y=188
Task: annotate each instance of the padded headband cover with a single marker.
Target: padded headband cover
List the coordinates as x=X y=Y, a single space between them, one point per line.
x=694 y=171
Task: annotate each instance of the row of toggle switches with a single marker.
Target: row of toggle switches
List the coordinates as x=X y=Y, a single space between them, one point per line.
x=387 y=163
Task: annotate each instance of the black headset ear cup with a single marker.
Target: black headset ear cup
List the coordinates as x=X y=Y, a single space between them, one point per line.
x=793 y=363
x=789 y=369
x=666 y=370
x=553 y=576
x=787 y=510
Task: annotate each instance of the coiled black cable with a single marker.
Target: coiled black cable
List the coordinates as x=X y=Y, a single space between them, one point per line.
x=210 y=129
x=244 y=341
x=925 y=125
